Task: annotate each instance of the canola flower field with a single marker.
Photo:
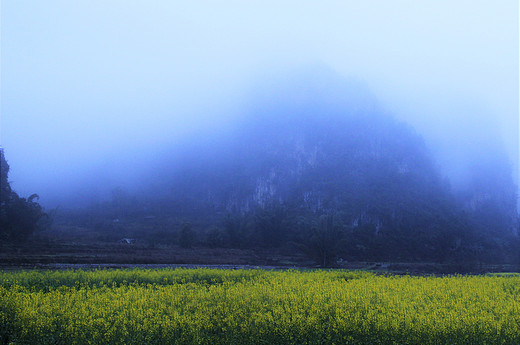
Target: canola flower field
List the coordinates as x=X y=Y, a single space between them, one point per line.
x=209 y=306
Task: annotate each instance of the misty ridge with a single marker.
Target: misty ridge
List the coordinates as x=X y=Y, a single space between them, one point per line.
x=313 y=164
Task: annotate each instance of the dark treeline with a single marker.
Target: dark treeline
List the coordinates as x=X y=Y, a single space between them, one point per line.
x=19 y=217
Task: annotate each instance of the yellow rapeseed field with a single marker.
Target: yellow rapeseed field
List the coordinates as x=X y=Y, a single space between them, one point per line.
x=205 y=306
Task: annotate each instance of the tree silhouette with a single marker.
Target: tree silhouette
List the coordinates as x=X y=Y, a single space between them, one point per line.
x=19 y=217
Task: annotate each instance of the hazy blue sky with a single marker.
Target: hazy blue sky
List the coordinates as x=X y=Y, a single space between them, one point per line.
x=82 y=81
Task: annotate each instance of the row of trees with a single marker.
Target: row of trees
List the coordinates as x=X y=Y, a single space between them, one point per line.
x=438 y=235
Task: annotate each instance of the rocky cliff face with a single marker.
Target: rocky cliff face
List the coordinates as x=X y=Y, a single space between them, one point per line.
x=316 y=154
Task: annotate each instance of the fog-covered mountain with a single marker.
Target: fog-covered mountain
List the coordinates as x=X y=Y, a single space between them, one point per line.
x=321 y=145
x=315 y=163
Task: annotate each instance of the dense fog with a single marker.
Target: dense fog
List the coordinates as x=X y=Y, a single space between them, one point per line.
x=396 y=117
